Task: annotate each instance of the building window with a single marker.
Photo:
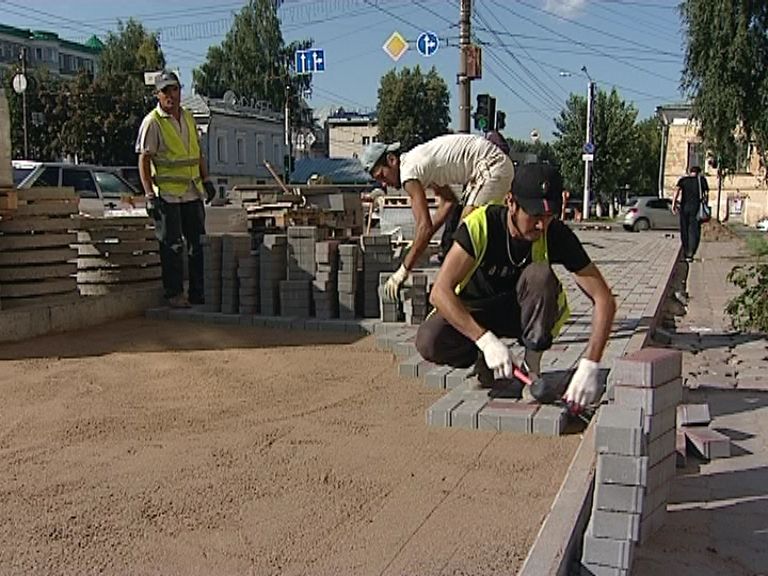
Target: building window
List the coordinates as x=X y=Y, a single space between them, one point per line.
x=259 y=151
x=39 y=54
x=366 y=140
x=221 y=148
x=276 y=156
x=240 y=143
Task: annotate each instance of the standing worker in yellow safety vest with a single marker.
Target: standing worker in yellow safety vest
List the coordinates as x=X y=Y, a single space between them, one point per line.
x=175 y=179
x=497 y=281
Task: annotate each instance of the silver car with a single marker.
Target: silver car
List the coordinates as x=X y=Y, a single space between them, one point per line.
x=649 y=212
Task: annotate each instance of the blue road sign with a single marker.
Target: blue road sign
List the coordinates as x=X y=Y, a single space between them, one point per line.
x=589 y=148
x=309 y=61
x=427 y=43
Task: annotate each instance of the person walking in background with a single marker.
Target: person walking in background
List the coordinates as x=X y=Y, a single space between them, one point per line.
x=466 y=160
x=174 y=177
x=692 y=191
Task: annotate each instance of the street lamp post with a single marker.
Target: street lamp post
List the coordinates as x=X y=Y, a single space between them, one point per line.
x=588 y=145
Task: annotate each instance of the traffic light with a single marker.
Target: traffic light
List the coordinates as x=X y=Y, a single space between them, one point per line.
x=485 y=113
x=501 y=120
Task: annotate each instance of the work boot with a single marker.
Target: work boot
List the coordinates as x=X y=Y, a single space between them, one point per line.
x=179 y=301
x=532 y=367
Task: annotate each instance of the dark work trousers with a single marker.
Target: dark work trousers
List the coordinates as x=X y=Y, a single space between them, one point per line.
x=449 y=227
x=690 y=229
x=529 y=314
x=178 y=222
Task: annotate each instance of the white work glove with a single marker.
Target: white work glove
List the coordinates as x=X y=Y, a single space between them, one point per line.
x=392 y=287
x=584 y=386
x=497 y=356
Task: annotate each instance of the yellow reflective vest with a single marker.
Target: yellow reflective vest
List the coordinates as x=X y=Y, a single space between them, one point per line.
x=176 y=165
x=477 y=225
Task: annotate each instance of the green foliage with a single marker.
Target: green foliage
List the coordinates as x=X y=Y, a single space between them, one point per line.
x=616 y=138
x=543 y=150
x=643 y=178
x=253 y=60
x=413 y=107
x=132 y=50
x=726 y=75
x=749 y=310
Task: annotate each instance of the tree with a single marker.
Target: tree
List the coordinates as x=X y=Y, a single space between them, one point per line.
x=543 y=150
x=726 y=76
x=644 y=175
x=253 y=61
x=615 y=136
x=131 y=51
x=413 y=107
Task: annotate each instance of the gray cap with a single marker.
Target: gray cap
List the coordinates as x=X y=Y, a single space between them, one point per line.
x=373 y=153
x=166 y=78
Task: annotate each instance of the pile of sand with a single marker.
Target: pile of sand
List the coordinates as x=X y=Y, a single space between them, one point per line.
x=714 y=231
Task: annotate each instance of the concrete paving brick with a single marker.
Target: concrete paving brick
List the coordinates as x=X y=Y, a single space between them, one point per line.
x=246 y=319
x=607 y=551
x=435 y=378
x=626 y=470
x=508 y=416
x=589 y=569
x=661 y=474
x=465 y=415
x=409 y=368
x=615 y=525
x=157 y=313
x=654 y=425
x=620 y=431
x=651 y=400
x=709 y=443
x=651 y=522
x=404 y=348
x=456 y=377
x=550 y=420
x=648 y=367
x=439 y=414
x=693 y=415
x=661 y=448
x=619 y=498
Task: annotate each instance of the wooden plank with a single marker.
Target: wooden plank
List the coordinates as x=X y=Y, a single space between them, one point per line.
x=117 y=261
x=23 y=257
x=47 y=209
x=37 y=224
x=118 y=275
x=45 y=287
x=102 y=249
x=87 y=237
x=47 y=193
x=22 y=273
x=21 y=242
x=116 y=222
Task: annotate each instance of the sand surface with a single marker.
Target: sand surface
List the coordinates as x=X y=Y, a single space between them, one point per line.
x=147 y=447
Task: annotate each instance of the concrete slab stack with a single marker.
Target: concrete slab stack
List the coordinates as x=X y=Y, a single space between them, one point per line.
x=635 y=442
x=272 y=270
x=248 y=281
x=212 y=246
x=296 y=298
x=378 y=258
x=389 y=310
x=416 y=304
x=233 y=248
x=347 y=281
x=325 y=291
x=301 y=251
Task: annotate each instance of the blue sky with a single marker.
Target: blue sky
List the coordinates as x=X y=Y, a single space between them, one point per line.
x=533 y=50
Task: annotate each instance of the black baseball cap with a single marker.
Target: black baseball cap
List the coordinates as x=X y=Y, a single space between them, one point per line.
x=538 y=189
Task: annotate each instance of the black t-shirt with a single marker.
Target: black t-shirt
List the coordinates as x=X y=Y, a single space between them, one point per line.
x=690 y=190
x=500 y=269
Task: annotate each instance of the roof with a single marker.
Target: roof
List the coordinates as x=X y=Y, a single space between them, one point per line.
x=44 y=35
x=337 y=170
x=203 y=106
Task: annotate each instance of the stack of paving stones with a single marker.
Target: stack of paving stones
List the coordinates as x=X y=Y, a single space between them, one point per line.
x=296 y=289
x=296 y=298
x=347 y=281
x=233 y=248
x=272 y=270
x=248 y=279
x=389 y=310
x=378 y=258
x=212 y=272
x=325 y=291
x=416 y=305
x=635 y=442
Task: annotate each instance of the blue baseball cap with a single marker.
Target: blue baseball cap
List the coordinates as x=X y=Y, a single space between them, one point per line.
x=374 y=152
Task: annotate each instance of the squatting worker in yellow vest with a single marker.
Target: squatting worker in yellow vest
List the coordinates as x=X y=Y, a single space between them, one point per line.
x=175 y=179
x=497 y=281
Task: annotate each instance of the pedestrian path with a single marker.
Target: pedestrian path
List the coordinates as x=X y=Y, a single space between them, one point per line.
x=717 y=521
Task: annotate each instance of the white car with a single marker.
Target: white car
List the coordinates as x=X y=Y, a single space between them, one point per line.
x=762 y=224
x=101 y=190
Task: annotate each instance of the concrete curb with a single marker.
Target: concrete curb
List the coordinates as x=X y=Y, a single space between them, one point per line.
x=559 y=538
x=80 y=312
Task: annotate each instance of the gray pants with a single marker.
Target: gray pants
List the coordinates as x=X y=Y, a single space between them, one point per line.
x=529 y=314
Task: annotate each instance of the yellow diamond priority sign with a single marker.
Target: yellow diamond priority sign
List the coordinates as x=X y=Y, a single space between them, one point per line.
x=395 y=46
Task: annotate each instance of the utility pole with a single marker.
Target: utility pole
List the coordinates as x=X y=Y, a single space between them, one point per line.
x=287 y=113
x=23 y=58
x=464 y=87
x=587 y=144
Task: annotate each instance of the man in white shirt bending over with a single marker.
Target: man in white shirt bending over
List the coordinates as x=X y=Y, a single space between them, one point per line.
x=466 y=160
